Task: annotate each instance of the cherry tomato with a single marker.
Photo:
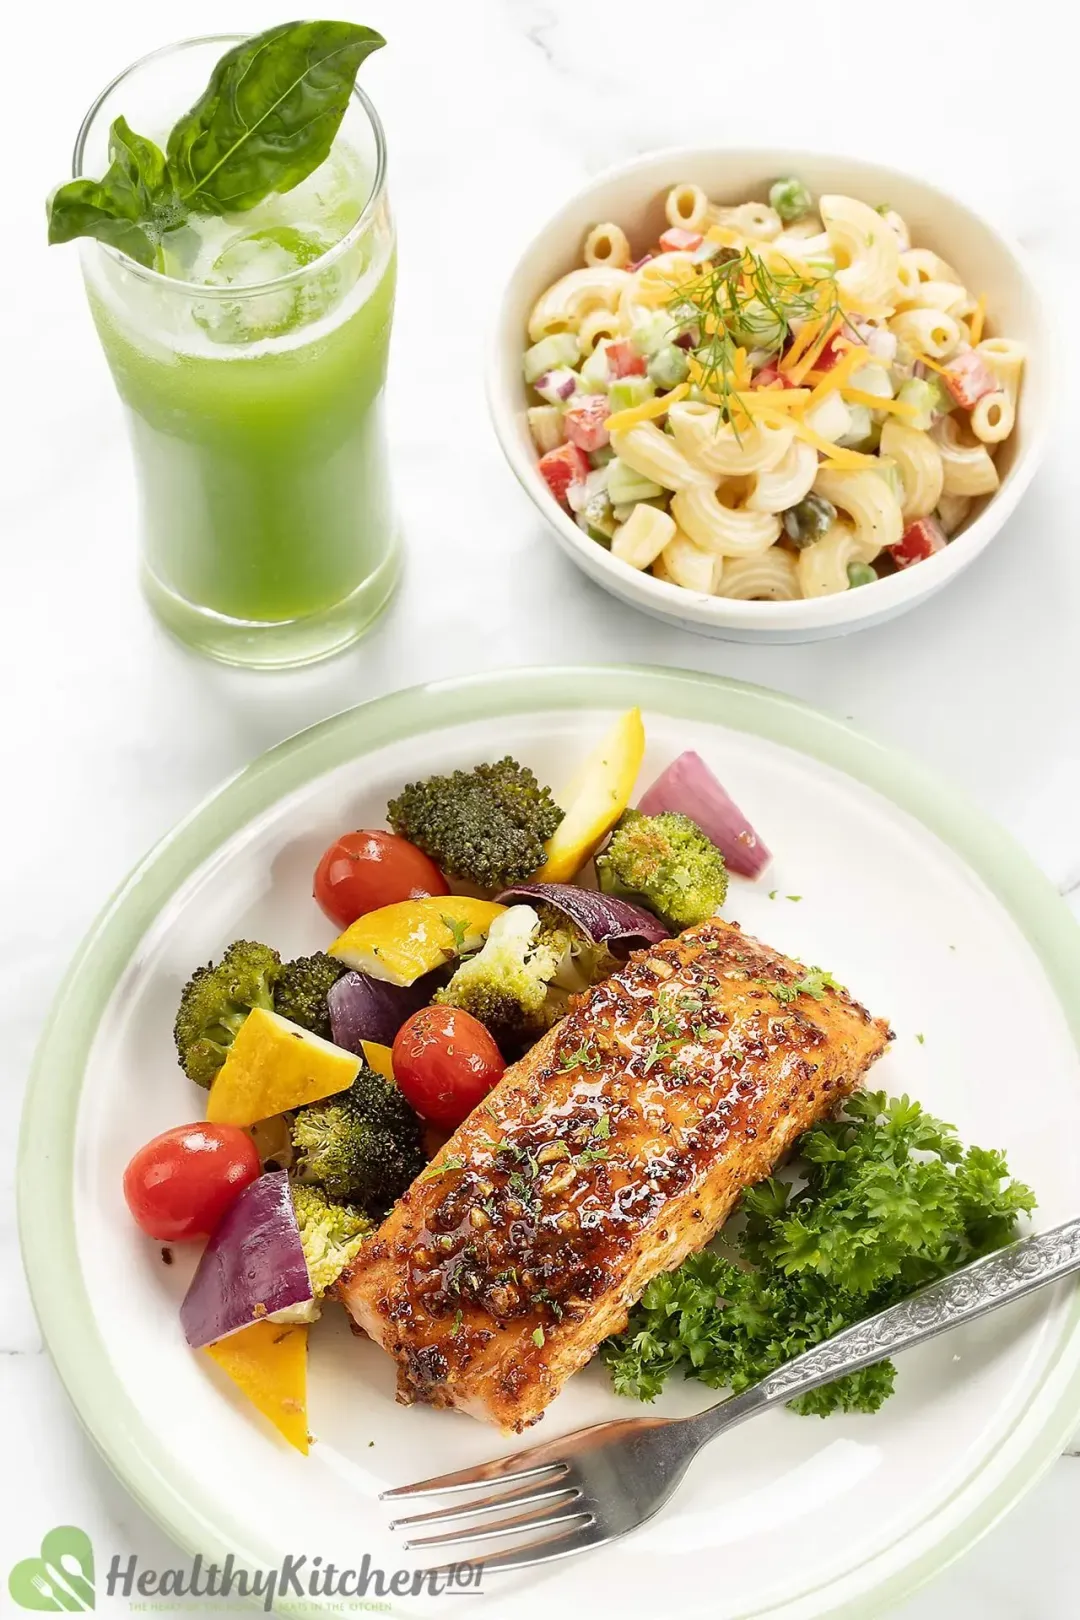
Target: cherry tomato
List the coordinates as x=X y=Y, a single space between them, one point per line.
x=362 y=871
x=445 y=1062
x=179 y=1185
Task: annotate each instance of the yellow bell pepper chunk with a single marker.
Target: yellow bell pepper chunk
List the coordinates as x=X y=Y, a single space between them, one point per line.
x=399 y=943
x=379 y=1058
x=274 y=1065
x=596 y=799
x=268 y=1363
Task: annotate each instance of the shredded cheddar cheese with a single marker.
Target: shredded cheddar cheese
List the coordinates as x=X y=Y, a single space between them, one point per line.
x=899 y=407
x=978 y=320
x=647 y=411
x=835 y=455
x=837 y=376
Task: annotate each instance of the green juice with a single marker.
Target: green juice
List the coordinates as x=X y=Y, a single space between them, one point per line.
x=255 y=409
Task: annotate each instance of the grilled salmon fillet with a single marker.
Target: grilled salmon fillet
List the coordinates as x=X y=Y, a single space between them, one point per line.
x=609 y=1153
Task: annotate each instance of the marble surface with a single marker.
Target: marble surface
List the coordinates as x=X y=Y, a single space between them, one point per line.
x=494 y=111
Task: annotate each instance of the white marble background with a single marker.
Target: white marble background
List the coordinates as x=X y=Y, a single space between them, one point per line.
x=495 y=109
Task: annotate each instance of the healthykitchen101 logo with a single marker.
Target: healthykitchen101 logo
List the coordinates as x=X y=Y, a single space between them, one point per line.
x=61 y=1578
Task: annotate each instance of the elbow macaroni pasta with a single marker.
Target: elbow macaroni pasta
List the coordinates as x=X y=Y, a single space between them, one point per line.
x=919 y=463
x=770 y=397
x=874 y=510
x=563 y=307
x=968 y=469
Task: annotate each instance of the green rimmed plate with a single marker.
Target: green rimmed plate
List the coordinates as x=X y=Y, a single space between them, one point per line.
x=927 y=910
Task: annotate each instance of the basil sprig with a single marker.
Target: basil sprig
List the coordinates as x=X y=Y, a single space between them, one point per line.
x=265 y=121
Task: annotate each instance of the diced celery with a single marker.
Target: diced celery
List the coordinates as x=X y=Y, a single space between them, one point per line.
x=873 y=379
x=830 y=418
x=890 y=471
x=790 y=198
x=625 y=486
x=596 y=373
x=623 y=513
x=561 y=349
x=758 y=326
x=918 y=393
x=546 y=427
x=557 y=386
x=669 y=366
x=601 y=457
x=942 y=399
x=862 y=431
x=627 y=391
x=652 y=334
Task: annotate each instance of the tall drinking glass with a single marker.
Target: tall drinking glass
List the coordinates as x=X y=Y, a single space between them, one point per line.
x=252 y=366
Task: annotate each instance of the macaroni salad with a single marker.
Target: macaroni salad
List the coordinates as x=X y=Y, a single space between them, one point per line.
x=778 y=401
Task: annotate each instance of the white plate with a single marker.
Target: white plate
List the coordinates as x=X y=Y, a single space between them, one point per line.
x=931 y=916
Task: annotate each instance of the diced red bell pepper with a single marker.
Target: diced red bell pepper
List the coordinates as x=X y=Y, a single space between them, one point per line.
x=623 y=359
x=584 y=420
x=830 y=354
x=968 y=377
x=770 y=374
x=918 y=541
x=676 y=240
x=562 y=467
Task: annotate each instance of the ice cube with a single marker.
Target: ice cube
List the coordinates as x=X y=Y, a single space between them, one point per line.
x=257 y=258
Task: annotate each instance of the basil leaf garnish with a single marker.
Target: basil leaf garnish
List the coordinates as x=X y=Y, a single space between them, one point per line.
x=266 y=120
x=124 y=207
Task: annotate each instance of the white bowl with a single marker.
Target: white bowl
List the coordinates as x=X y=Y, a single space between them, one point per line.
x=632 y=195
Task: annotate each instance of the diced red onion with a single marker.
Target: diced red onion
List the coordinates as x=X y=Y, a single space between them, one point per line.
x=367 y=1009
x=607 y=921
x=646 y=258
x=882 y=344
x=252 y=1267
x=688 y=785
x=556 y=385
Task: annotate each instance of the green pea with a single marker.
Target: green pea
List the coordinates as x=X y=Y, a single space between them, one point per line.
x=790 y=198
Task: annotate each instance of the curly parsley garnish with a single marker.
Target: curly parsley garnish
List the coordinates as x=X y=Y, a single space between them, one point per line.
x=892 y=1201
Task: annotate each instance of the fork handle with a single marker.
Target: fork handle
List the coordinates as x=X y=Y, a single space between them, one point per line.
x=1009 y=1274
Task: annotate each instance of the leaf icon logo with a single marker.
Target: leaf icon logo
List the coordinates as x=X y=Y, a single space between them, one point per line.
x=61 y=1580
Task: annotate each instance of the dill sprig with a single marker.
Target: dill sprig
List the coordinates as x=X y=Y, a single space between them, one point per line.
x=739 y=303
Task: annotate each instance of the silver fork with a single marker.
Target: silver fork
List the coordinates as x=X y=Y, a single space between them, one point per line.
x=590 y=1487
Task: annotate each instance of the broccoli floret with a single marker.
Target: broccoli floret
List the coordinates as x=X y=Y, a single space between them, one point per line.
x=664 y=862
x=507 y=983
x=215 y=1002
x=488 y=825
x=362 y=1146
x=302 y=988
x=331 y=1234
x=580 y=961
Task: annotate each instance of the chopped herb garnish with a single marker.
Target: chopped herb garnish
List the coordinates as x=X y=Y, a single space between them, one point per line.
x=585 y=1057
x=458 y=930
x=456 y=1329
x=795 y=897
x=538 y=1338
x=602 y=1127
x=814 y=983
x=453 y=1161
x=921 y=1039
x=773 y=893
x=591 y=1155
